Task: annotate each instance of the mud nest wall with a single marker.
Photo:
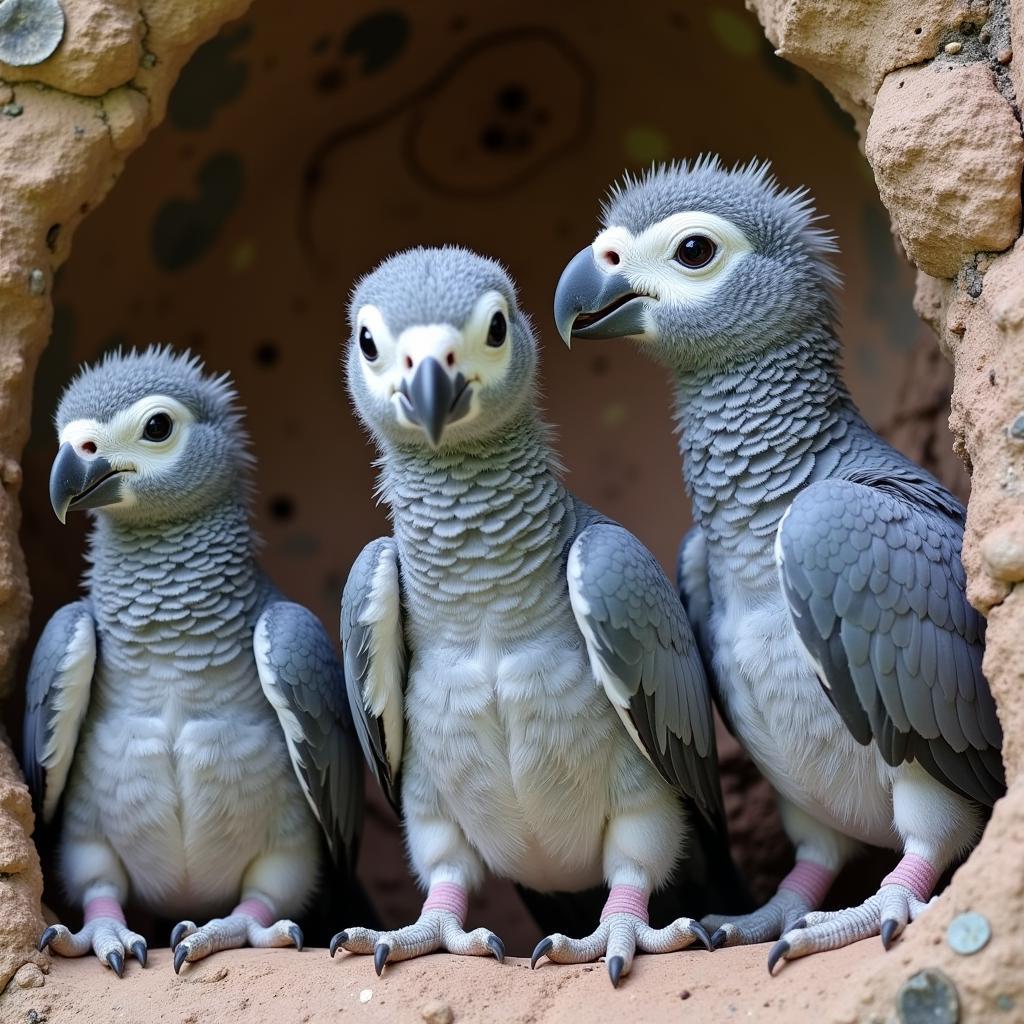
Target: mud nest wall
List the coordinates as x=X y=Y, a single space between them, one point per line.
x=295 y=156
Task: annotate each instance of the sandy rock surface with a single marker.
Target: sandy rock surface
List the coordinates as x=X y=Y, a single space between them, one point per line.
x=245 y=986
x=947 y=154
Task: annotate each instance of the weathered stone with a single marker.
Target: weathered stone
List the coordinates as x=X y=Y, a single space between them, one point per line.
x=947 y=154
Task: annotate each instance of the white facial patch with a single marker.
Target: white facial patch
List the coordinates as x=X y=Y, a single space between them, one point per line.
x=121 y=439
x=649 y=260
x=464 y=352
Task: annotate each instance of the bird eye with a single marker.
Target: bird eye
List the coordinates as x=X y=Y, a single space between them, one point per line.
x=367 y=345
x=158 y=427
x=497 y=330
x=696 y=251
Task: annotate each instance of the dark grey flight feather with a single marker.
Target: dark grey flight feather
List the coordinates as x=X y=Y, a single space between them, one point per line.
x=57 y=697
x=643 y=640
x=356 y=643
x=876 y=588
x=308 y=681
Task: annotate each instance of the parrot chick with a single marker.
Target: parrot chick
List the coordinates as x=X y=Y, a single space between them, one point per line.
x=194 y=722
x=522 y=675
x=823 y=575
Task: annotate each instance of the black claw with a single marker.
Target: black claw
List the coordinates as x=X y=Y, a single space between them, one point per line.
x=889 y=928
x=178 y=934
x=340 y=939
x=380 y=957
x=718 y=938
x=179 y=958
x=615 y=965
x=296 y=935
x=47 y=937
x=497 y=947
x=779 y=950
x=542 y=949
x=140 y=952
x=116 y=961
x=702 y=936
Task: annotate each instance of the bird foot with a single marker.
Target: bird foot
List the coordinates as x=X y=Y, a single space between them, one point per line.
x=617 y=939
x=110 y=939
x=435 y=930
x=886 y=913
x=776 y=917
x=191 y=943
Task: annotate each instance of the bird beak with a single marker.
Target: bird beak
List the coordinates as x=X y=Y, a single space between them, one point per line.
x=434 y=398
x=77 y=483
x=590 y=303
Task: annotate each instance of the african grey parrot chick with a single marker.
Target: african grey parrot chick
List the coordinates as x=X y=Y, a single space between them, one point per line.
x=523 y=678
x=823 y=575
x=193 y=720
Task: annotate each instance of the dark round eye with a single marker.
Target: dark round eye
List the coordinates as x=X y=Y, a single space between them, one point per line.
x=367 y=345
x=497 y=331
x=158 y=427
x=696 y=251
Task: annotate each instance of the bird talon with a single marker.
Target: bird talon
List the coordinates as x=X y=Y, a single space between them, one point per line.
x=49 y=934
x=701 y=935
x=542 y=949
x=178 y=933
x=497 y=947
x=779 y=952
x=340 y=939
x=180 y=955
x=380 y=957
x=140 y=952
x=719 y=938
x=116 y=961
x=615 y=965
x=295 y=933
x=888 y=932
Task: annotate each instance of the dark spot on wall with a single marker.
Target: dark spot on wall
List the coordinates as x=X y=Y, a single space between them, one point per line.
x=599 y=365
x=281 y=508
x=320 y=45
x=51 y=237
x=184 y=229
x=329 y=79
x=377 y=40
x=213 y=78
x=267 y=353
x=458 y=23
x=512 y=98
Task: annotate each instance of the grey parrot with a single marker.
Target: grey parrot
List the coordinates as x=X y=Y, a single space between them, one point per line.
x=194 y=722
x=522 y=675
x=823 y=576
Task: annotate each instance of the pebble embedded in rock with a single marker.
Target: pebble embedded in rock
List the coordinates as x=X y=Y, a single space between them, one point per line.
x=30 y=30
x=968 y=933
x=928 y=997
x=437 y=1012
x=953 y=48
x=1017 y=428
x=36 y=282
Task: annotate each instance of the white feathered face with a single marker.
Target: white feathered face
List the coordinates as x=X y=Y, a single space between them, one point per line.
x=148 y=455
x=430 y=368
x=703 y=266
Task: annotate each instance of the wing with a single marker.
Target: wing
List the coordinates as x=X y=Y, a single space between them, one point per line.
x=302 y=678
x=643 y=652
x=57 y=698
x=875 y=587
x=375 y=660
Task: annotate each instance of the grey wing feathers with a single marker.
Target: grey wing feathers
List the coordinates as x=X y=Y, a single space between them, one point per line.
x=57 y=698
x=643 y=652
x=374 y=651
x=302 y=678
x=876 y=590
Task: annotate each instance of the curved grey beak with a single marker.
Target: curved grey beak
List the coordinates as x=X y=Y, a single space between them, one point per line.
x=434 y=398
x=590 y=303
x=77 y=483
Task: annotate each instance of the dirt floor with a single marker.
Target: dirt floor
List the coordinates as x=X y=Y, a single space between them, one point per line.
x=262 y=985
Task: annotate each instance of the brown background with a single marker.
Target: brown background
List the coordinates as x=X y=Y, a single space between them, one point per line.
x=305 y=143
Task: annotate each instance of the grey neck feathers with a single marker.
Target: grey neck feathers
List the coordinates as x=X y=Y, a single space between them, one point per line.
x=483 y=529
x=753 y=435
x=181 y=594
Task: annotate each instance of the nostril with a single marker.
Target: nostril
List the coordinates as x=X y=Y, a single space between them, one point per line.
x=450 y=359
x=88 y=446
x=611 y=257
